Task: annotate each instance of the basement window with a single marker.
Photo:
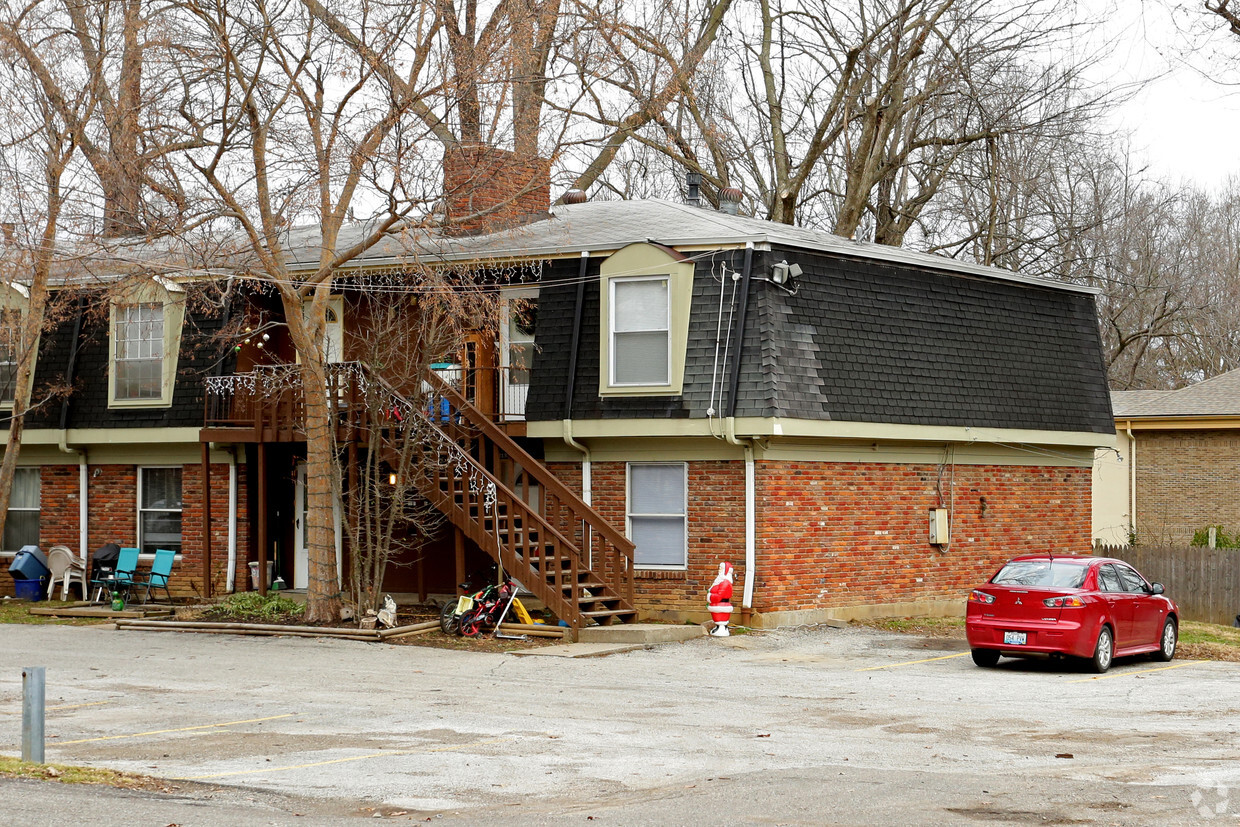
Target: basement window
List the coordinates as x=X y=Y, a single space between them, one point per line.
x=656 y=514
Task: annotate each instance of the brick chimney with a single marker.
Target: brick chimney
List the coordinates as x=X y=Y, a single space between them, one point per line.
x=507 y=190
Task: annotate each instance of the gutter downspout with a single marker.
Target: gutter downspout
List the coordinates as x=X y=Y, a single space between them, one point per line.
x=587 y=488
x=587 y=484
x=1132 y=480
x=232 y=520
x=730 y=432
x=62 y=440
x=83 y=489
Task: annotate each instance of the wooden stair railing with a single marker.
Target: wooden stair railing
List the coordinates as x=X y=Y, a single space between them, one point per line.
x=563 y=551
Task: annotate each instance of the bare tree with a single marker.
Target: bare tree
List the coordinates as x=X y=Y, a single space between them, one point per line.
x=37 y=142
x=392 y=434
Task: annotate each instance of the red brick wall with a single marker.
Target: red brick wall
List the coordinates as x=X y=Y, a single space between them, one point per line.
x=478 y=178
x=59 y=509
x=846 y=534
x=187 y=577
x=112 y=518
x=112 y=500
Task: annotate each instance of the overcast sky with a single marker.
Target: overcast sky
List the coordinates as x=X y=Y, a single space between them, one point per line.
x=1185 y=126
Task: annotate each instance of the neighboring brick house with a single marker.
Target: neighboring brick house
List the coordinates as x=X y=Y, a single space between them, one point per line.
x=859 y=429
x=1180 y=466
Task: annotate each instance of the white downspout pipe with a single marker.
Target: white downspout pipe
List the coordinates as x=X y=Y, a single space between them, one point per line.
x=232 y=520
x=587 y=487
x=1132 y=480
x=587 y=484
x=83 y=489
x=750 y=514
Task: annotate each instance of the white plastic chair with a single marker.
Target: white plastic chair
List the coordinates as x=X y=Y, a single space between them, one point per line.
x=66 y=568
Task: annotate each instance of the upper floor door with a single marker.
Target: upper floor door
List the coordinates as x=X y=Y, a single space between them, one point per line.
x=519 y=316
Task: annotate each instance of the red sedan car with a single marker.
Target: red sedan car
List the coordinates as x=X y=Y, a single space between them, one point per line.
x=1088 y=607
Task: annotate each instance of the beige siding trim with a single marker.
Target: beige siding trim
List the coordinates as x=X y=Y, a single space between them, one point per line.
x=795 y=428
x=114 y=454
x=646 y=449
x=88 y=437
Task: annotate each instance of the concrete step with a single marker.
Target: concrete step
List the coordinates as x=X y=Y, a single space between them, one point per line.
x=643 y=633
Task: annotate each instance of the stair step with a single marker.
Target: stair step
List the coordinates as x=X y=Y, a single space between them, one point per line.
x=608 y=613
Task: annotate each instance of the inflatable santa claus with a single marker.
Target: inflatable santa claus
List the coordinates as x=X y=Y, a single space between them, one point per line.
x=719 y=600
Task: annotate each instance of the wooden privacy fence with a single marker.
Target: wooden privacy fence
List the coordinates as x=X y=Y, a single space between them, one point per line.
x=1205 y=582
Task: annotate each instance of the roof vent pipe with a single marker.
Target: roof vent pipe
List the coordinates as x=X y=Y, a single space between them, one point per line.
x=693 y=181
x=730 y=200
x=575 y=196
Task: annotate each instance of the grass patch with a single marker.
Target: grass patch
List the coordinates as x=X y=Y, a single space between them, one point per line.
x=18 y=611
x=252 y=607
x=1208 y=642
x=65 y=774
x=944 y=627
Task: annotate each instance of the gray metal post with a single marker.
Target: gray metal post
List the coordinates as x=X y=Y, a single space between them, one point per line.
x=33 y=696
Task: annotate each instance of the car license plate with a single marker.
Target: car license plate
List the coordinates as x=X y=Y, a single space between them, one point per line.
x=1015 y=638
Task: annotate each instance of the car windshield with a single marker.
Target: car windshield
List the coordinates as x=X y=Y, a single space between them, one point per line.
x=1041 y=573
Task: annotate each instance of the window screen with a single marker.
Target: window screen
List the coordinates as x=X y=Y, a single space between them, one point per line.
x=21 y=526
x=139 y=350
x=159 y=509
x=10 y=338
x=639 y=332
x=657 y=513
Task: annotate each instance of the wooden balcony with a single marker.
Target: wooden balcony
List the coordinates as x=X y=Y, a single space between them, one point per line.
x=267 y=405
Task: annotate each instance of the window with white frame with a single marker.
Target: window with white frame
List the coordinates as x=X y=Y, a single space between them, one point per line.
x=159 y=509
x=138 y=347
x=10 y=346
x=657 y=493
x=21 y=526
x=640 y=327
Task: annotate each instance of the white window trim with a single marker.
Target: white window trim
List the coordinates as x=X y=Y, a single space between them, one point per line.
x=684 y=514
x=140 y=510
x=172 y=299
x=633 y=262
x=17 y=297
x=612 y=332
x=38 y=509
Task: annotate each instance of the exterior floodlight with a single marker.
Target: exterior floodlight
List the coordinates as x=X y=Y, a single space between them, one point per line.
x=783 y=272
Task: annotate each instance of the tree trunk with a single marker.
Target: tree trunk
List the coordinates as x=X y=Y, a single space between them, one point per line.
x=307 y=324
x=31 y=326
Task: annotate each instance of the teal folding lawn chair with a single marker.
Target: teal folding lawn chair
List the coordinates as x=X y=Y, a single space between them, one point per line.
x=122 y=579
x=161 y=571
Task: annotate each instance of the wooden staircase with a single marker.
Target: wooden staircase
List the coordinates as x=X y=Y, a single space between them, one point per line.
x=545 y=537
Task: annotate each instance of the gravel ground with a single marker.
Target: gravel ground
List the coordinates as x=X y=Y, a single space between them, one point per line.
x=797 y=726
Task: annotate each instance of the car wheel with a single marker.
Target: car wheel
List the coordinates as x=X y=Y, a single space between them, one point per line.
x=1104 y=651
x=985 y=657
x=1170 y=636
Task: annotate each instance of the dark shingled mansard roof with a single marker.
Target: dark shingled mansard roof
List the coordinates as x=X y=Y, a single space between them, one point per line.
x=872 y=333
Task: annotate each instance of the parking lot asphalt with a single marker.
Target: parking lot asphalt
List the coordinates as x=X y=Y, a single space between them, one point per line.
x=794 y=726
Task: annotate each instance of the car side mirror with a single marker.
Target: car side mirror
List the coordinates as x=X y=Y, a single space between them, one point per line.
x=1157 y=588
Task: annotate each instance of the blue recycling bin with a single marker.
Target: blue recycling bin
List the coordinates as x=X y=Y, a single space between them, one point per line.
x=31 y=590
x=29 y=564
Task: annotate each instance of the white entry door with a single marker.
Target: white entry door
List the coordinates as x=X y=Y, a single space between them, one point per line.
x=301 y=549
